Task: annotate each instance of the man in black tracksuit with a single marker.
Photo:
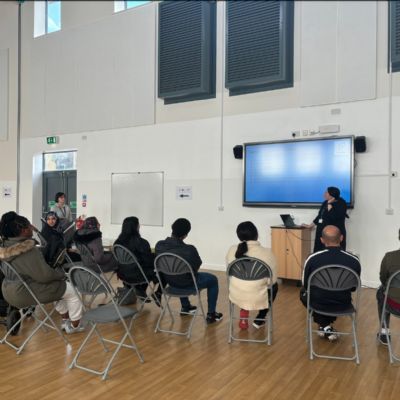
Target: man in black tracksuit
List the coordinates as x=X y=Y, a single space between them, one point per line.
x=323 y=299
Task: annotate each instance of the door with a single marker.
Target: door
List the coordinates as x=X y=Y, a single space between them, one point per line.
x=59 y=181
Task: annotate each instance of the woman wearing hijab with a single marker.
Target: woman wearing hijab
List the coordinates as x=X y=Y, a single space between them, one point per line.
x=54 y=238
x=333 y=211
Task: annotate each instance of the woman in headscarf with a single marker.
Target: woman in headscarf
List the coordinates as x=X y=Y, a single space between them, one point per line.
x=54 y=238
x=333 y=211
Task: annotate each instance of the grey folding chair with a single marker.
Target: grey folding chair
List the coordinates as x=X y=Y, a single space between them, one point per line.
x=334 y=278
x=250 y=269
x=393 y=283
x=85 y=281
x=11 y=275
x=89 y=261
x=168 y=264
x=125 y=257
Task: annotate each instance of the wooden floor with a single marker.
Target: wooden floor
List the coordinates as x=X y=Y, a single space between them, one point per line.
x=207 y=367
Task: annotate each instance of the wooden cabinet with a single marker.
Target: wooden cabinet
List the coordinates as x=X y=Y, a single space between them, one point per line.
x=291 y=247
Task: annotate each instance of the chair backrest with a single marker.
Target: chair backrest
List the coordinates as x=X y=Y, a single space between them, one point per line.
x=84 y=251
x=87 y=282
x=394 y=281
x=334 y=278
x=40 y=239
x=249 y=269
x=173 y=265
x=11 y=275
x=125 y=257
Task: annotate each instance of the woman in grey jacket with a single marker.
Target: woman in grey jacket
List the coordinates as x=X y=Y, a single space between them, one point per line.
x=46 y=283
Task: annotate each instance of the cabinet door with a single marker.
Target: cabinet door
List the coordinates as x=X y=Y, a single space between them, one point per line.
x=278 y=244
x=295 y=257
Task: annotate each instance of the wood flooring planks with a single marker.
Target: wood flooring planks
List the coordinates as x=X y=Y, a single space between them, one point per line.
x=207 y=367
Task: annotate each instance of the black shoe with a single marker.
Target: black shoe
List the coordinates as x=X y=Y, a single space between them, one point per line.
x=331 y=334
x=188 y=310
x=258 y=323
x=383 y=339
x=213 y=317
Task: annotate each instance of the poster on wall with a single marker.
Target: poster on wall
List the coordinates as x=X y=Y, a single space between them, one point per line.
x=7 y=192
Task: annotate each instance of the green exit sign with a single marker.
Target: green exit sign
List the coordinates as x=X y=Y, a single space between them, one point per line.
x=52 y=139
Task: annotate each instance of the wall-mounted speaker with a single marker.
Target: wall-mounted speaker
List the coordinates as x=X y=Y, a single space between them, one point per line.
x=360 y=144
x=238 y=151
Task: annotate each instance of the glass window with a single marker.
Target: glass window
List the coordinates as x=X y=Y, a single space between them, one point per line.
x=59 y=161
x=47 y=17
x=53 y=16
x=124 y=5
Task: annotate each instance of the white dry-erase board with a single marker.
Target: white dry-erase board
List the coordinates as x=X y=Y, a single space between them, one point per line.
x=138 y=194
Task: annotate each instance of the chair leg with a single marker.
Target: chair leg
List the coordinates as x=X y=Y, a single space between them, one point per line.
x=310 y=336
x=231 y=311
x=354 y=325
x=75 y=360
x=391 y=360
x=120 y=344
x=162 y=312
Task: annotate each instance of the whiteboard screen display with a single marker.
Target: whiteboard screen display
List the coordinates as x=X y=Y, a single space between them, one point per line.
x=138 y=194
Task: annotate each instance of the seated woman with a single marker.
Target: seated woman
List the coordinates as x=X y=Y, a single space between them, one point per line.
x=131 y=239
x=90 y=235
x=54 y=237
x=46 y=283
x=251 y=295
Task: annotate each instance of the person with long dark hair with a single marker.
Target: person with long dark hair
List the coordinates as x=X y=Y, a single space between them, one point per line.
x=47 y=284
x=140 y=247
x=251 y=295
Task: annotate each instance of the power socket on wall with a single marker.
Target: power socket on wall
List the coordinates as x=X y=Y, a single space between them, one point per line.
x=389 y=211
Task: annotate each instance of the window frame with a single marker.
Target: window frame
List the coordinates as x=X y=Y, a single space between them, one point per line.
x=285 y=79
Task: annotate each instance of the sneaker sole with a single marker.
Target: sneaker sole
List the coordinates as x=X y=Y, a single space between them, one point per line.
x=258 y=326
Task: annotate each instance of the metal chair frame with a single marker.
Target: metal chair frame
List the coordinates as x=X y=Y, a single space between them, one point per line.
x=125 y=257
x=256 y=270
x=96 y=283
x=85 y=252
x=346 y=280
x=178 y=266
x=393 y=282
x=11 y=274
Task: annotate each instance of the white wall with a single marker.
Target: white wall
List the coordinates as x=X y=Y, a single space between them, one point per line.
x=8 y=45
x=185 y=142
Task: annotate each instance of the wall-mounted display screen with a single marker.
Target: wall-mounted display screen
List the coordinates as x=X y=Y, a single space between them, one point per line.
x=297 y=172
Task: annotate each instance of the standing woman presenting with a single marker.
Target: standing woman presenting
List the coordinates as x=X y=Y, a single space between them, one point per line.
x=62 y=210
x=333 y=211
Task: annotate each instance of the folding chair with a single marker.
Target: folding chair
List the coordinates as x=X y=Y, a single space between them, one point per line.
x=126 y=257
x=85 y=281
x=393 y=282
x=250 y=269
x=12 y=275
x=334 y=278
x=89 y=261
x=170 y=264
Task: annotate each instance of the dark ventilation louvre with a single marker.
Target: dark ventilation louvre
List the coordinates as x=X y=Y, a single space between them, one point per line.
x=259 y=46
x=394 y=33
x=186 y=50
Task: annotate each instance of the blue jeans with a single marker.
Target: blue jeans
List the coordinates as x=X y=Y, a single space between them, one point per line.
x=209 y=282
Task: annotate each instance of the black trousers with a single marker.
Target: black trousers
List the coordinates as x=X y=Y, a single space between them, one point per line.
x=264 y=312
